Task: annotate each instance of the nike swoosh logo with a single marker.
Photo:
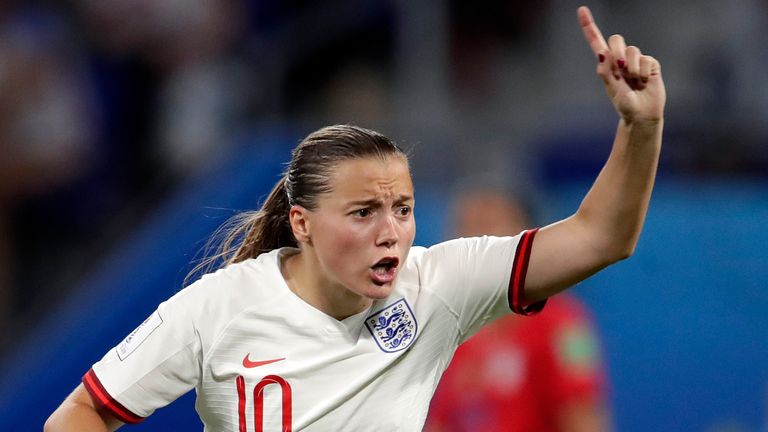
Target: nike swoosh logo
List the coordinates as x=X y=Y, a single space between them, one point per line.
x=252 y=364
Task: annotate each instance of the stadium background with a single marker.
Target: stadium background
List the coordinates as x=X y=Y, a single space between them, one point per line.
x=130 y=129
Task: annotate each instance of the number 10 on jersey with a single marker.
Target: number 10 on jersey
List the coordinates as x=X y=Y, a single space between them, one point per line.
x=258 y=402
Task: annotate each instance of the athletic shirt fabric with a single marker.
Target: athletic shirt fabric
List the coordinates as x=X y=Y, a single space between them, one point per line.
x=260 y=358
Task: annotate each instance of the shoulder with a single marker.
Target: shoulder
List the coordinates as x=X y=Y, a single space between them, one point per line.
x=453 y=264
x=232 y=288
x=460 y=244
x=212 y=303
x=251 y=273
x=460 y=252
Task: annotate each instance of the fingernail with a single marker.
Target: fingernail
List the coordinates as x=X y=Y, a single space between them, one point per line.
x=621 y=63
x=600 y=58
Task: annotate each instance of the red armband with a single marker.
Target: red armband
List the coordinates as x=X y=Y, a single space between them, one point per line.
x=517 y=278
x=104 y=400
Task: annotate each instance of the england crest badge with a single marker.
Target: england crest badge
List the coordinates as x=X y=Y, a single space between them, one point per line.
x=394 y=327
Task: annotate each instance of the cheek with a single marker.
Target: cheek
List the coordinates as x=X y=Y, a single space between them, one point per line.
x=408 y=232
x=341 y=243
x=345 y=257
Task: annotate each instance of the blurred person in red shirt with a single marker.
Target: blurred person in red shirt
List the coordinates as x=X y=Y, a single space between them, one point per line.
x=541 y=373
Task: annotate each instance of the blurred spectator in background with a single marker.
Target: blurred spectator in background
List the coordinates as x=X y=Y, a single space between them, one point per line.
x=537 y=374
x=172 y=82
x=104 y=108
x=46 y=134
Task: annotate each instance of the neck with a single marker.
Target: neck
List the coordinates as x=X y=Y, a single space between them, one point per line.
x=304 y=277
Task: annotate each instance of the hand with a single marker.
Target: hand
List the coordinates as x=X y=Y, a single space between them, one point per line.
x=632 y=80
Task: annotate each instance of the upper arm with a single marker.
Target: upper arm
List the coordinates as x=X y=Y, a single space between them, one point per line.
x=78 y=412
x=563 y=254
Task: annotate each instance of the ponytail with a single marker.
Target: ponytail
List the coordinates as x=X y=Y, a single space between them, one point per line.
x=250 y=234
x=263 y=230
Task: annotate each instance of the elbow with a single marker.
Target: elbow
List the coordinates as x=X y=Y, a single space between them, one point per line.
x=625 y=253
x=620 y=252
x=610 y=243
x=611 y=251
x=608 y=259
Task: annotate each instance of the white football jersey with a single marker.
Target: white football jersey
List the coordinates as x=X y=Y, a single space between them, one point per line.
x=262 y=359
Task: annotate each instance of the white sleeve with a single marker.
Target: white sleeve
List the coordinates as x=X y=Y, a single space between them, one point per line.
x=480 y=278
x=154 y=365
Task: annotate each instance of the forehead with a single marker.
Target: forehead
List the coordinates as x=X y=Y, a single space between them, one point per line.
x=370 y=178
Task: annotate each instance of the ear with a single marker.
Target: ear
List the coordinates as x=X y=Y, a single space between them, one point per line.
x=299 y=217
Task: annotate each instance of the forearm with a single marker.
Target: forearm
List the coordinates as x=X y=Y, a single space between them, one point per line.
x=612 y=213
x=607 y=224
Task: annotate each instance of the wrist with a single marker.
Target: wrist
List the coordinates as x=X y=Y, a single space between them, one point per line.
x=641 y=131
x=642 y=123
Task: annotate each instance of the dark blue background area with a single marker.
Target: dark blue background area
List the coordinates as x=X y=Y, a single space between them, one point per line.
x=682 y=322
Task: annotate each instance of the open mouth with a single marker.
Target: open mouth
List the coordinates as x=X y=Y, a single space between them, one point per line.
x=385 y=270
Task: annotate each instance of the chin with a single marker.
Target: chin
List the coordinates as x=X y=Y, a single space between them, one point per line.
x=378 y=292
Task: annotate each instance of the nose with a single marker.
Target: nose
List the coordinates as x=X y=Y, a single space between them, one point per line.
x=387 y=234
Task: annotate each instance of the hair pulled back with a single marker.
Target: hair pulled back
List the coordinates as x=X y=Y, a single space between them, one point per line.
x=249 y=234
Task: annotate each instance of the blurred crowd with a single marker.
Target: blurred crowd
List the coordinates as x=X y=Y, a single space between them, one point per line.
x=107 y=106
x=104 y=106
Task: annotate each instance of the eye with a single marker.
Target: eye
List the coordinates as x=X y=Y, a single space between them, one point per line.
x=362 y=213
x=403 y=211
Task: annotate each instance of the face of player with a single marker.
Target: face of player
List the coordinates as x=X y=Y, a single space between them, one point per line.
x=361 y=232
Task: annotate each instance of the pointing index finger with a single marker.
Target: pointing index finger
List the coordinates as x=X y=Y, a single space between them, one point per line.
x=591 y=32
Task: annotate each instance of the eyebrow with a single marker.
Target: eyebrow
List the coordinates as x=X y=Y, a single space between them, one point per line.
x=376 y=201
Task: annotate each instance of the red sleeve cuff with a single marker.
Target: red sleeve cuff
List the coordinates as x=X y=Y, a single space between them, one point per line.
x=106 y=401
x=517 y=279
